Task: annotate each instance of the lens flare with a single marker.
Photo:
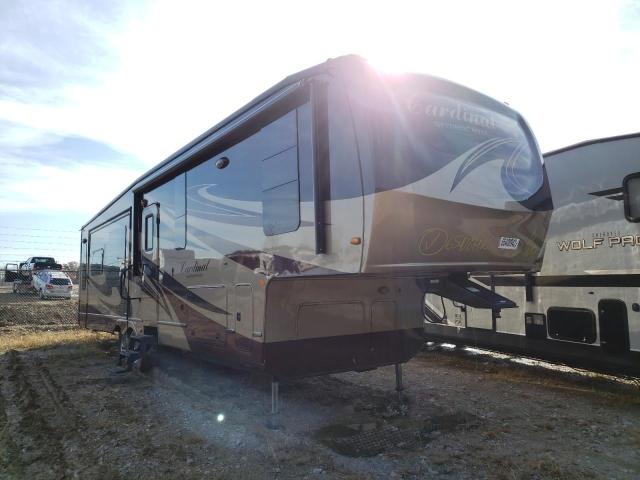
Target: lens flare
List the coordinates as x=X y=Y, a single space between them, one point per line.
x=220 y=417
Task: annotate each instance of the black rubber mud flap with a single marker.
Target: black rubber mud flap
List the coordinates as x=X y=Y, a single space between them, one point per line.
x=463 y=290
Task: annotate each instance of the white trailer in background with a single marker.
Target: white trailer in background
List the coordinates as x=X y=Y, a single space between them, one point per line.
x=583 y=307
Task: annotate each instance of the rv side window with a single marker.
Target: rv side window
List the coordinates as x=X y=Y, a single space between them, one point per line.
x=170 y=198
x=631 y=191
x=97 y=259
x=148 y=232
x=280 y=176
x=257 y=181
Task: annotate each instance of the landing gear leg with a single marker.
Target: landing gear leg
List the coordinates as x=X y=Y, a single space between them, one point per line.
x=274 y=396
x=399 y=385
x=272 y=421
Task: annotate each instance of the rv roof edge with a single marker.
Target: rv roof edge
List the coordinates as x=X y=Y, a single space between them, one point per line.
x=593 y=141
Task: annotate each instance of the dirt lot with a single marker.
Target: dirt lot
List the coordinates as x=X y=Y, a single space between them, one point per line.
x=65 y=412
x=27 y=309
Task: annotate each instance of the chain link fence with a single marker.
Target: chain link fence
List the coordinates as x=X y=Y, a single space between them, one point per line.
x=45 y=299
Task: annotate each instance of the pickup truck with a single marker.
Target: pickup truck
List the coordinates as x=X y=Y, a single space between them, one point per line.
x=39 y=263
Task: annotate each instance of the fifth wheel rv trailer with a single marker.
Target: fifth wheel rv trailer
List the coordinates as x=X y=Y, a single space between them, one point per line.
x=583 y=307
x=299 y=235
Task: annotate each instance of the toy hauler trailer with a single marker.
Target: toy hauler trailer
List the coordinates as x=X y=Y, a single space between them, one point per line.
x=299 y=235
x=583 y=307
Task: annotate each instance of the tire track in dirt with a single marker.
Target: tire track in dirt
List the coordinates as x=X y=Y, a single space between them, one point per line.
x=47 y=430
x=38 y=449
x=8 y=449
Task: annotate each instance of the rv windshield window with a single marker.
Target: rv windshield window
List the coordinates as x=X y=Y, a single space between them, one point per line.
x=453 y=146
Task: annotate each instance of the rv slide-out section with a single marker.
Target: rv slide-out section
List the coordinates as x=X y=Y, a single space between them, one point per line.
x=584 y=305
x=299 y=235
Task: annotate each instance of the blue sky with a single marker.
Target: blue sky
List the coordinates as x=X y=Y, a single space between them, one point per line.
x=92 y=94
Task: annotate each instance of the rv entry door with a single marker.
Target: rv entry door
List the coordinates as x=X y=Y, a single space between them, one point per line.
x=146 y=307
x=107 y=258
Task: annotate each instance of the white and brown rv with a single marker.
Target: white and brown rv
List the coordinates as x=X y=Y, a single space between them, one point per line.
x=299 y=235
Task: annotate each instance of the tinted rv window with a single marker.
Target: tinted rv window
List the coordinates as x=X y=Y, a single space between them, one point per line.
x=258 y=186
x=171 y=196
x=109 y=245
x=280 y=177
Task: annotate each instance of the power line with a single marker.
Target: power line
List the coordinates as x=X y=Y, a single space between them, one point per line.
x=36 y=248
x=39 y=229
x=22 y=235
x=20 y=242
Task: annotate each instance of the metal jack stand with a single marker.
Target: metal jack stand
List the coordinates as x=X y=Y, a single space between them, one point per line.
x=272 y=421
x=399 y=386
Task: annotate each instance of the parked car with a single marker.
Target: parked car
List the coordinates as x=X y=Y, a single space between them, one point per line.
x=49 y=284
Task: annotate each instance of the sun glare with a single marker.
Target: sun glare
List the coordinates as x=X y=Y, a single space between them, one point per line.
x=388 y=62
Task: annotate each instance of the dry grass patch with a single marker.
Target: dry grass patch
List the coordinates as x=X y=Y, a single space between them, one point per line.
x=28 y=340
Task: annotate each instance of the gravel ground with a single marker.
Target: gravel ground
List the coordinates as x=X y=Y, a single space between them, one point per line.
x=65 y=412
